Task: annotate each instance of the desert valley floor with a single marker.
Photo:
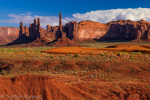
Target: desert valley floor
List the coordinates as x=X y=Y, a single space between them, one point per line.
x=93 y=71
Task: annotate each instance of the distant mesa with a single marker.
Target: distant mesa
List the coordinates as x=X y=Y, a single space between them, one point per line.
x=66 y=35
x=8 y=34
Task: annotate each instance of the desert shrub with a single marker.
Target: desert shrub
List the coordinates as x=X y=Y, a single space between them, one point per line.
x=26 y=61
x=147 y=87
x=51 y=57
x=119 y=54
x=91 y=53
x=76 y=55
x=3 y=72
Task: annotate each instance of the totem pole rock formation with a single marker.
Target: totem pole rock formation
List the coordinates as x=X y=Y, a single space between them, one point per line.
x=35 y=23
x=61 y=34
x=33 y=31
x=38 y=28
x=21 y=30
x=61 y=39
x=26 y=31
x=60 y=26
x=60 y=22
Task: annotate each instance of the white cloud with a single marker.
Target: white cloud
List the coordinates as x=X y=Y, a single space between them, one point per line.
x=102 y=16
x=105 y=16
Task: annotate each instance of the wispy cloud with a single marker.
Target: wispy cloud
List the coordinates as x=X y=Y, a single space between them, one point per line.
x=28 y=18
x=102 y=16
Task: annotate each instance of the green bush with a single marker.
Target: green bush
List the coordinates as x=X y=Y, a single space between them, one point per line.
x=76 y=55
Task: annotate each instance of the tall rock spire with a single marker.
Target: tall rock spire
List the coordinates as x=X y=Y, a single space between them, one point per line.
x=21 y=30
x=26 y=32
x=38 y=28
x=61 y=34
x=60 y=22
x=25 y=29
x=39 y=23
x=35 y=22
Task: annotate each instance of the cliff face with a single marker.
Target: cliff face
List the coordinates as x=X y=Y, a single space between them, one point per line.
x=9 y=31
x=122 y=29
x=8 y=34
x=91 y=30
x=127 y=29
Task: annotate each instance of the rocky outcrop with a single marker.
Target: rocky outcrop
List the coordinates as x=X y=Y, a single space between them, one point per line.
x=121 y=29
x=72 y=28
x=48 y=28
x=34 y=31
x=26 y=31
x=61 y=38
x=56 y=31
x=61 y=34
x=127 y=30
x=51 y=32
x=86 y=30
x=21 y=32
x=8 y=34
x=29 y=34
x=148 y=34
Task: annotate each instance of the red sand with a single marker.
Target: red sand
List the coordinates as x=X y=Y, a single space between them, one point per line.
x=35 y=87
x=83 y=50
x=42 y=87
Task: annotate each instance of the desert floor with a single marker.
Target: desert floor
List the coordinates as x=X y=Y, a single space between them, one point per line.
x=94 y=71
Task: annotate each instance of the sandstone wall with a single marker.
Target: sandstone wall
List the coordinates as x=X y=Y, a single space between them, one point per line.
x=51 y=32
x=8 y=34
x=122 y=29
x=128 y=29
x=86 y=30
x=9 y=31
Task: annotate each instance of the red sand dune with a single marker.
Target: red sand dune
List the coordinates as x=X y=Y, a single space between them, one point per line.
x=84 y=50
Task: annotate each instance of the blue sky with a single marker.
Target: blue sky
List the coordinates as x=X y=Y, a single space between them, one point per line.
x=48 y=10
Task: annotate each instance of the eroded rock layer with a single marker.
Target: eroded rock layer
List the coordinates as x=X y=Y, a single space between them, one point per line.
x=34 y=87
x=8 y=34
